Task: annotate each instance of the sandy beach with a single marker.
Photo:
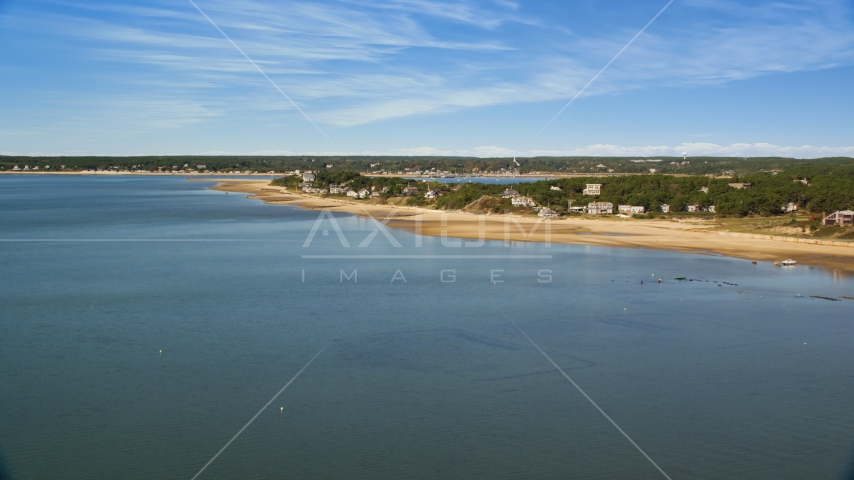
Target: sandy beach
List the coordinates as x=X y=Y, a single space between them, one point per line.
x=685 y=237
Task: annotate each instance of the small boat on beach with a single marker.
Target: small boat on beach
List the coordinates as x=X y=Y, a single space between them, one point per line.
x=788 y=263
x=678 y=278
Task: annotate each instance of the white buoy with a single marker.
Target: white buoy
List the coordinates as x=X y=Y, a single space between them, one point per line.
x=161 y=351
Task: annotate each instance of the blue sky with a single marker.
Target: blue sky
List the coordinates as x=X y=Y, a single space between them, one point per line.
x=470 y=77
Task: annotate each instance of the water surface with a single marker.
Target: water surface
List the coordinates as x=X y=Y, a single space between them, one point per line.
x=145 y=320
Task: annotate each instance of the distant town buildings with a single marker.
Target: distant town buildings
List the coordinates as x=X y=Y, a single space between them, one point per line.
x=593 y=189
x=600 y=208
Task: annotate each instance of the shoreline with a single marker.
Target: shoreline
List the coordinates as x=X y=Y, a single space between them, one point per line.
x=693 y=238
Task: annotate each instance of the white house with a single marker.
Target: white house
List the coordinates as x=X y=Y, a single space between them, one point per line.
x=593 y=189
x=665 y=208
x=523 y=202
x=364 y=193
x=693 y=208
x=433 y=194
x=790 y=208
x=631 y=209
x=711 y=209
x=704 y=189
x=842 y=217
x=555 y=187
x=309 y=177
x=336 y=190
x=352 y=193
x=547 y=212
x=17 y=168
x=600 y=208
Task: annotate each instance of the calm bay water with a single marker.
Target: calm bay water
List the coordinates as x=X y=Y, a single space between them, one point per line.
x=145 y=320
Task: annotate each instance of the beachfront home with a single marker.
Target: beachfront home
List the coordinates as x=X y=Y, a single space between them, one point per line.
x=842 y=217
x=791 y=207
x=523 y=202
x=16 y=169
x=631 y=209
x=693 y=208
x=351 y=193
x=711 y=209
x=593 y=189
x=600 y=208
x=364 y=193
x=740 y=186
x=665 y=208
x=510 y=193
x=410 y=191
x=577 y=209
x=336 y=190
x=308 y=177
x=433 y=194
x=547 y=212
